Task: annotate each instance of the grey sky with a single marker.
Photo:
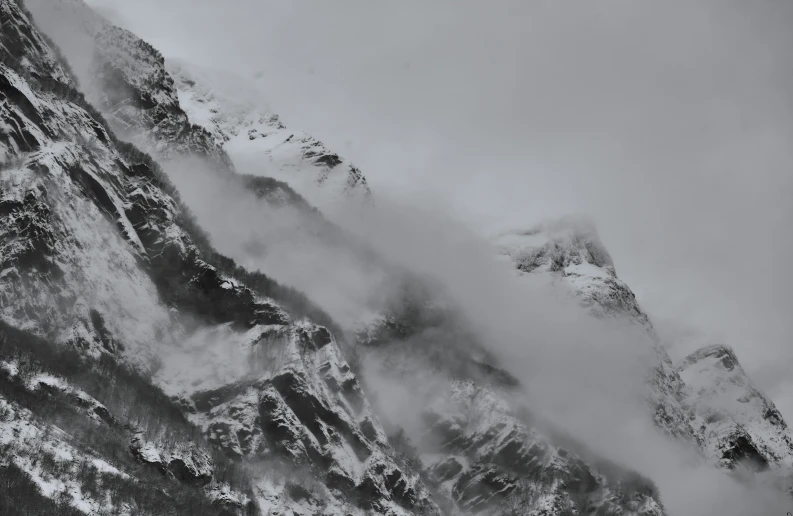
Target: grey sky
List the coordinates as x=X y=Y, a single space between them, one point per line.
x=670 y=123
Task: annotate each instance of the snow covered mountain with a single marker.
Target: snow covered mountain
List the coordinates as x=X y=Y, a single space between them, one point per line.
x=105 y=271
x=478 y=444
x=174 y=109
x=238 y=362
x=143 y=372
x=570 y=250
x=231 y=110
x=707 y=398
x=736 y=423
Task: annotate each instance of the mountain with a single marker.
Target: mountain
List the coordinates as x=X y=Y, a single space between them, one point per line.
x=571 y=252
x=737 y=424
x=231 y=110
x=487 y=484
x=240 y=364
x=115 y=309
x=142 y=371
x=707 y=398
x=476 y=440
x=175 y=109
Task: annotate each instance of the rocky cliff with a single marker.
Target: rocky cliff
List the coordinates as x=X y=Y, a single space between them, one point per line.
x=737 y=424
x=707 y=398
x=101 y=262
x=231 y=110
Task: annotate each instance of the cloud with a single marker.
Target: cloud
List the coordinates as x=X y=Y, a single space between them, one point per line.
x=584 y=375
x=669 y=123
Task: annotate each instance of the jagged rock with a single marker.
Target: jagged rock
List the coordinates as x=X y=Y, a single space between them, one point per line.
x=570 y=251
x=99 y=253
x=707 y=398
x=139 y=99
x=736 y=423
x=227 y=107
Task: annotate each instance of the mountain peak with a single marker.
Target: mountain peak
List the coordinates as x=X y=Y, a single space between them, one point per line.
x=734 y=421
x=232 y=111
x=721 y=355
x=556 y=244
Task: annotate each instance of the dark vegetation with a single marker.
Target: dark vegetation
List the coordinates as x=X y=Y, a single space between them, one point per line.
x=20 y=496
x=133 y=405
x=265 y=187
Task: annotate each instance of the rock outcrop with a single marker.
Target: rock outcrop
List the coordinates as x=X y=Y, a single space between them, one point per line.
x=100 y=258
x=735 y=422
x=570 y=251
x=707 y=398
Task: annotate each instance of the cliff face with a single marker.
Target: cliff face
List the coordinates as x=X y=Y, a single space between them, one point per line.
x=102 y=263
x=143 y=372
x=570 y=251
x=229 y=108
x=264 y=413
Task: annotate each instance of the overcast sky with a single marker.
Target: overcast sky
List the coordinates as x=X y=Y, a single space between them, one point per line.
x=670 y=123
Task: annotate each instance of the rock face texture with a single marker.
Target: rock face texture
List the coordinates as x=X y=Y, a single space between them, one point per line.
x=571 y=252
x=736 y=423
x=142 y=372
x=140 y=101
x=481 y=449
x=101 y=263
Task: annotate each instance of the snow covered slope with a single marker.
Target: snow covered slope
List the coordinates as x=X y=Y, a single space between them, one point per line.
x=101 y=260
x=735 y=422
x=479 y=446
x=707 y=397
x=232 y=111
x=571 y=252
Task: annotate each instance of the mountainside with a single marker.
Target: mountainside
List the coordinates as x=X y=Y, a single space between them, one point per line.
x=174 y=109
x=477 y=442
x=139 y=99
x=257 y=140
x=736 y=423
x=244 y=371
x=143 y=372
x=570 y=251
x=101 y=260
x=707 y=398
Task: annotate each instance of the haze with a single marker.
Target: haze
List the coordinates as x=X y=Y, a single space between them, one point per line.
x=669 y=123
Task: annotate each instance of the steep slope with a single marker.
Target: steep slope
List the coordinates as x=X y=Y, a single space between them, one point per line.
x=478 y=443
x=255 y=138
x=125 y=78
x=128 y=80
x=707 y=397
x=140 y=101
x=100 y=257
x=570 y=251
x=736 y=423
x=189 y=109
x=307 y=408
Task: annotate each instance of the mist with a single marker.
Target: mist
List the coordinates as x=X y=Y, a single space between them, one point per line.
x=587 y=376
x=683 y=162
x=669 y=123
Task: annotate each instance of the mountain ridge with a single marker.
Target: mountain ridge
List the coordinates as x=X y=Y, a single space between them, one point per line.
x=252 y=367
x=728 y=435
x=101 y=182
